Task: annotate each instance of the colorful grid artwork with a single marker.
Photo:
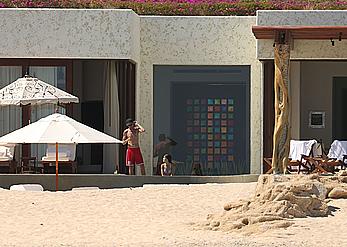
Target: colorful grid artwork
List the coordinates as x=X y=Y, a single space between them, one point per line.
x=210 y=129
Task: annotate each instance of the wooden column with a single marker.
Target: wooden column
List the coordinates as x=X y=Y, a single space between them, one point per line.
x=282 y=126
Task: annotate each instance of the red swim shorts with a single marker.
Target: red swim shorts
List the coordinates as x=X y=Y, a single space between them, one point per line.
x=134 y=157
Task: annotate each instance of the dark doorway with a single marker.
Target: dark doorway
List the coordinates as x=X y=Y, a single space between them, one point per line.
x=93 y=116
x=339 y=108
x=269 y=110
x=205 y=109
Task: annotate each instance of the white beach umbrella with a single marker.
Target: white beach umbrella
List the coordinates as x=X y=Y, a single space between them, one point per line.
x=30 y=90
x=59 y=129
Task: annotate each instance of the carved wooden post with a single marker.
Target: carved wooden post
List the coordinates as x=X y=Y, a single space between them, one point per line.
x=281 y=135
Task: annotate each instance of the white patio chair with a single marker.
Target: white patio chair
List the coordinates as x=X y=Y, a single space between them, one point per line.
x=66 y=156
x=7 y=162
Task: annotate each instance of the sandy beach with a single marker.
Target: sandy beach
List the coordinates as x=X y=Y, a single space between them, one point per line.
x=155 y=215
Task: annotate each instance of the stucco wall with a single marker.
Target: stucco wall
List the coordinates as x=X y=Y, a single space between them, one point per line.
x=69 y=33
x=198 y=41
x=304 y=49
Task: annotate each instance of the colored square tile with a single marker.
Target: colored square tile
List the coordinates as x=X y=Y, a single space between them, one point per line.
x=230 y=158
x=189 y=109
x=230 y=144
x=189 y=101
x=224 y=108
x=196 y=115
x=223 y=137
x=210 y=151
x=210 y=108
x=217 y=101
x=217 y=115
x=230 y=108
x=196 y=157
x=210 y=115
x=223 y=101
x=196 y=144
x=210 y=122
x=203 y=108
x=210 y=130
x=210 y=101
x=203 y=137
x=217 y=108
x=196 y=137
x=203 y=123
x=230 y=137
x=203 y=101
x=217 y=157
x=230 y=151
x=230 y=123
x=224 y=129
x=196 y=101
x=230 y=130
x=224 y=158
x=223 y=144
x=231 y=115
x=203 y=151
x=210 y=144
x=217 y=151
x=196 y=123
x=217 y=144
x=189 y=129
x=196 y=129
x=196 y=150
x=196 y=108
x=216 y=122
x=217 y=137
x=224 y=122
x=230 y=101
x=203 y=129
x=217 y=130
x=210 y=137
x=210 y=158
x=224 y=115
x=223 y=151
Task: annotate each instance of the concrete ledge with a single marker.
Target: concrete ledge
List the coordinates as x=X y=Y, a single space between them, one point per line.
x=109 y=181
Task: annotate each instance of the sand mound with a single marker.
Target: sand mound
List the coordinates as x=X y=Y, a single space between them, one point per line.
x=278 y=199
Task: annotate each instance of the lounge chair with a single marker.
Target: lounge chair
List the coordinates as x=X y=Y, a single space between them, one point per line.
x=300 y=154
x=7 y=162
x=66 y=157
x=335 y=160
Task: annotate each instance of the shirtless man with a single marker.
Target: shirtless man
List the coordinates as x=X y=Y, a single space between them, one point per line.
x=131 y=137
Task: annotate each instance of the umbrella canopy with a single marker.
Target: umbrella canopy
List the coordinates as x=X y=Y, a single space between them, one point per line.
x=30 y=90
x=57 y=128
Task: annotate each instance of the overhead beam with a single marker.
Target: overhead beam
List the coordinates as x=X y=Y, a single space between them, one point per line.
x=302 y=32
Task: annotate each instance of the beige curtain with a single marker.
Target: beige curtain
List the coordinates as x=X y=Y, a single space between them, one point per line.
x=111 y=117
x=10 y=116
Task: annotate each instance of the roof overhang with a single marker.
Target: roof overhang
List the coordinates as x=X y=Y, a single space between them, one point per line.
x=301 y=32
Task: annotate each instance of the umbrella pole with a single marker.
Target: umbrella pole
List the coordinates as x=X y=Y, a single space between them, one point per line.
x=56 y=166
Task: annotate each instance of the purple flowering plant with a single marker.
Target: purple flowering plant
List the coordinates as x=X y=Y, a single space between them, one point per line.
x=183 y=7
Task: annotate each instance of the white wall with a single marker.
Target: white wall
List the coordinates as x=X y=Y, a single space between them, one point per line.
x=198 y=41
x=69 y=33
